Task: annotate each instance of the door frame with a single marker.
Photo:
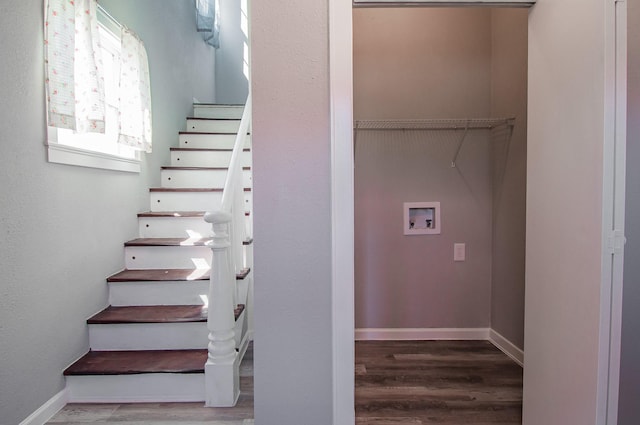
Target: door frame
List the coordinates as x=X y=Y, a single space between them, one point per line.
x=342 y=208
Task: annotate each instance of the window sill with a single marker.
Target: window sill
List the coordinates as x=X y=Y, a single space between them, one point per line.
x=62 y=154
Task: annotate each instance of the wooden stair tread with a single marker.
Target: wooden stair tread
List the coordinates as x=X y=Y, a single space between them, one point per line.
x=154 y=314
x=172 y=214
x=168 y=242
x=170 y=167
x=175 y=242
x=213 y=119
x=191 y=189
x=164 y=275
x=177 y=214
x=236 y=105
x=208 y=133
x=205 y=150
x=138 y=362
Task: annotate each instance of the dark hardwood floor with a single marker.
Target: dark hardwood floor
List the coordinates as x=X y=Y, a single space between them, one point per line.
x=436 y=382
x=397 y=382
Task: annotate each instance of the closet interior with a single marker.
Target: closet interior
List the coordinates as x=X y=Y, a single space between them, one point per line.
x=440 y=98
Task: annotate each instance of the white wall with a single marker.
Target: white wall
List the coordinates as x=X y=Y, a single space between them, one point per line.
x=564 y=187
x=629 y=409
x=509 y=98
x=63 y=227
x=292 y=223
x=231 y=56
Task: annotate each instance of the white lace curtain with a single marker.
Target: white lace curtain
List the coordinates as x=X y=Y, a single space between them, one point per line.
x=75 y=80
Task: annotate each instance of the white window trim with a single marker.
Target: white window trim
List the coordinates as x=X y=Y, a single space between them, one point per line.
x=69 y=155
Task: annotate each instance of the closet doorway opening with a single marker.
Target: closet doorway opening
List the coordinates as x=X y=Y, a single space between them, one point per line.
x=440 y=109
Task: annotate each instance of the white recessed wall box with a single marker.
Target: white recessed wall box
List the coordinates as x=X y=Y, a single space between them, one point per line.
x=422 y=218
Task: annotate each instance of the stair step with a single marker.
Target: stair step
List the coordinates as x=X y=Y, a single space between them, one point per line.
x=199 y=177
x=137 y=376
x=177 y=224
x=152 y=327
x=164 y=275
x=137 y=362
x=188 y=139
x=213 y=125
x=202 y=157
x=170 y=292
x=177 y=214
x=123 y=292
x=154 y=314
x=208 y=110
x=175 y=242
x=192 y=199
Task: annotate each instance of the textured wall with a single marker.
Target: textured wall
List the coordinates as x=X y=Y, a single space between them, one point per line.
x=509 y=98
x=564 y=220
x=62 y=227
x=434 y=63
x=629 y=411
x=422 y=63
x=292 y=223
x=231 y=81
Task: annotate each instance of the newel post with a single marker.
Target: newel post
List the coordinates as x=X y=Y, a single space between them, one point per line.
x=221 y=370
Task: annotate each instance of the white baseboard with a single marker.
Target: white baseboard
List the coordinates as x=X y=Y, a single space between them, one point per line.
x=407 y=334
x=426 y=334
x=507 y=347
x=47 y=410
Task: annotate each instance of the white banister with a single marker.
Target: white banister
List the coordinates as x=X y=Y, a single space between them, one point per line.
x=229 y=232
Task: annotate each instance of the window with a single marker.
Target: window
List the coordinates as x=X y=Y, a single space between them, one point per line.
x=103 y=150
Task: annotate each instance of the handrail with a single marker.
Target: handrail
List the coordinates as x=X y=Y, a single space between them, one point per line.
x=234 y=164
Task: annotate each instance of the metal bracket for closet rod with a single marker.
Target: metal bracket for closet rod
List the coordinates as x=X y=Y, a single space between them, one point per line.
x=464 y=135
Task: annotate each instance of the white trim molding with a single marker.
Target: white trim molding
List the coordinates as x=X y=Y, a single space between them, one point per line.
x=507 y=347
x=408 y=334
x=443 y=3
x=342 y=210
x=47 y=410
x=62 y=154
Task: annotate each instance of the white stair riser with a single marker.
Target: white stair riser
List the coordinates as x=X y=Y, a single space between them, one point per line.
x=197 y=158
x=148 y=336
x=190 y=201
x=167 y=257
x=148 y=387
x=218 y=111
x=151 y=336
x=213 y=126
x=158 y=293
x=210 y=141
x=199 y=178
x=177 y=227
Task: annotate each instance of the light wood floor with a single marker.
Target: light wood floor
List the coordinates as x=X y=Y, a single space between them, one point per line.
x=399 y=382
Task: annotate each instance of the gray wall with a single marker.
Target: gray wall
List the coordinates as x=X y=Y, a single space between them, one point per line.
x=291 y=139
x=564 y=219
x=509 y=98
x=629 y=409
x=62 y=227
x=231 y=81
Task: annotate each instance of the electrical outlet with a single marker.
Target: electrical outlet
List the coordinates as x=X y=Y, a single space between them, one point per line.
x=459 y=252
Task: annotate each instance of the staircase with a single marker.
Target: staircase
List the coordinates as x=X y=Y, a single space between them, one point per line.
x=150 y=343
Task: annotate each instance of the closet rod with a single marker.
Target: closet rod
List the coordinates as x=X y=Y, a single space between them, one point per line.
x=435 y=124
